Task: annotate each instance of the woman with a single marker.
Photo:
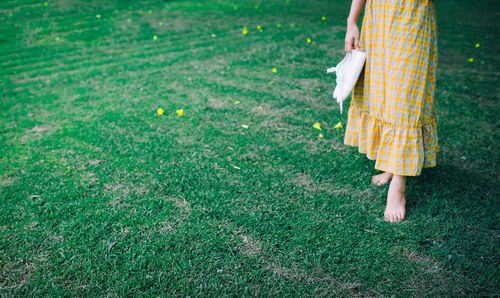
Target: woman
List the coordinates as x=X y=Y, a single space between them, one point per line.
x=391 y=116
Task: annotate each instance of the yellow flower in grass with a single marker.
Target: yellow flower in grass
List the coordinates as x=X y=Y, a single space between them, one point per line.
x=477 y=45
x=317 y=125
x=471 y=60
x=160 y=111
x=237 y=102
x=180 y=112
x=245 y=31
x=321 y=136
x=155 y=37
x=308 y=40
x=339 y=125
x=98 y=16
x=323 y=18
x=274 y=70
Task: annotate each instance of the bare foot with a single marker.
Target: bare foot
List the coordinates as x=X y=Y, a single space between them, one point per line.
x=381 y=179
x=396 y=201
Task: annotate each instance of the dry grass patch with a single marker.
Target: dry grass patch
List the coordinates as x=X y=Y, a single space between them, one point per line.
x=435 y=279
x=183 y=212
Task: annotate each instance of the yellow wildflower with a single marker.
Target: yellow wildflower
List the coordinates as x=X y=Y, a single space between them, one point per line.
x=155 y=37
x=180 y=112
x=477 y=45
x=275 y=70
x=339 y=125
x=323 y=18
x=321 y=136
x=98 y=16
x=308 y=40
x=471 y=60
x=317 y=125
x=160 y=111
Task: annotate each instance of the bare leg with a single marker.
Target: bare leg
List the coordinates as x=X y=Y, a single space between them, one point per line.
x=381 y=179
x=396 y=201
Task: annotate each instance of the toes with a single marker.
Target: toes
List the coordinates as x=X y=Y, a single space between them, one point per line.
x=393 y=217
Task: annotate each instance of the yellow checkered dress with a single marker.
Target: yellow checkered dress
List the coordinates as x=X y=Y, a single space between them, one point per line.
x=391 y=116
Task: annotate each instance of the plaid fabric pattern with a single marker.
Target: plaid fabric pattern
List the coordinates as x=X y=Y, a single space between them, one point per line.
x=391 y=116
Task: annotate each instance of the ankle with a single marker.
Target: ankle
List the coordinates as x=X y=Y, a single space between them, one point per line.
x=398 y=183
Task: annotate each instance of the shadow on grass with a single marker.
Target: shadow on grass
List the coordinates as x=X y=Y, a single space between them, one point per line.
x=465 y=188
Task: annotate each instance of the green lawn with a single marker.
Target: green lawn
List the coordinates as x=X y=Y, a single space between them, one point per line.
x=100 y=195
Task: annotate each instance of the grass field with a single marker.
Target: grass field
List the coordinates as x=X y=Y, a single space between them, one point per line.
x=101 y=195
